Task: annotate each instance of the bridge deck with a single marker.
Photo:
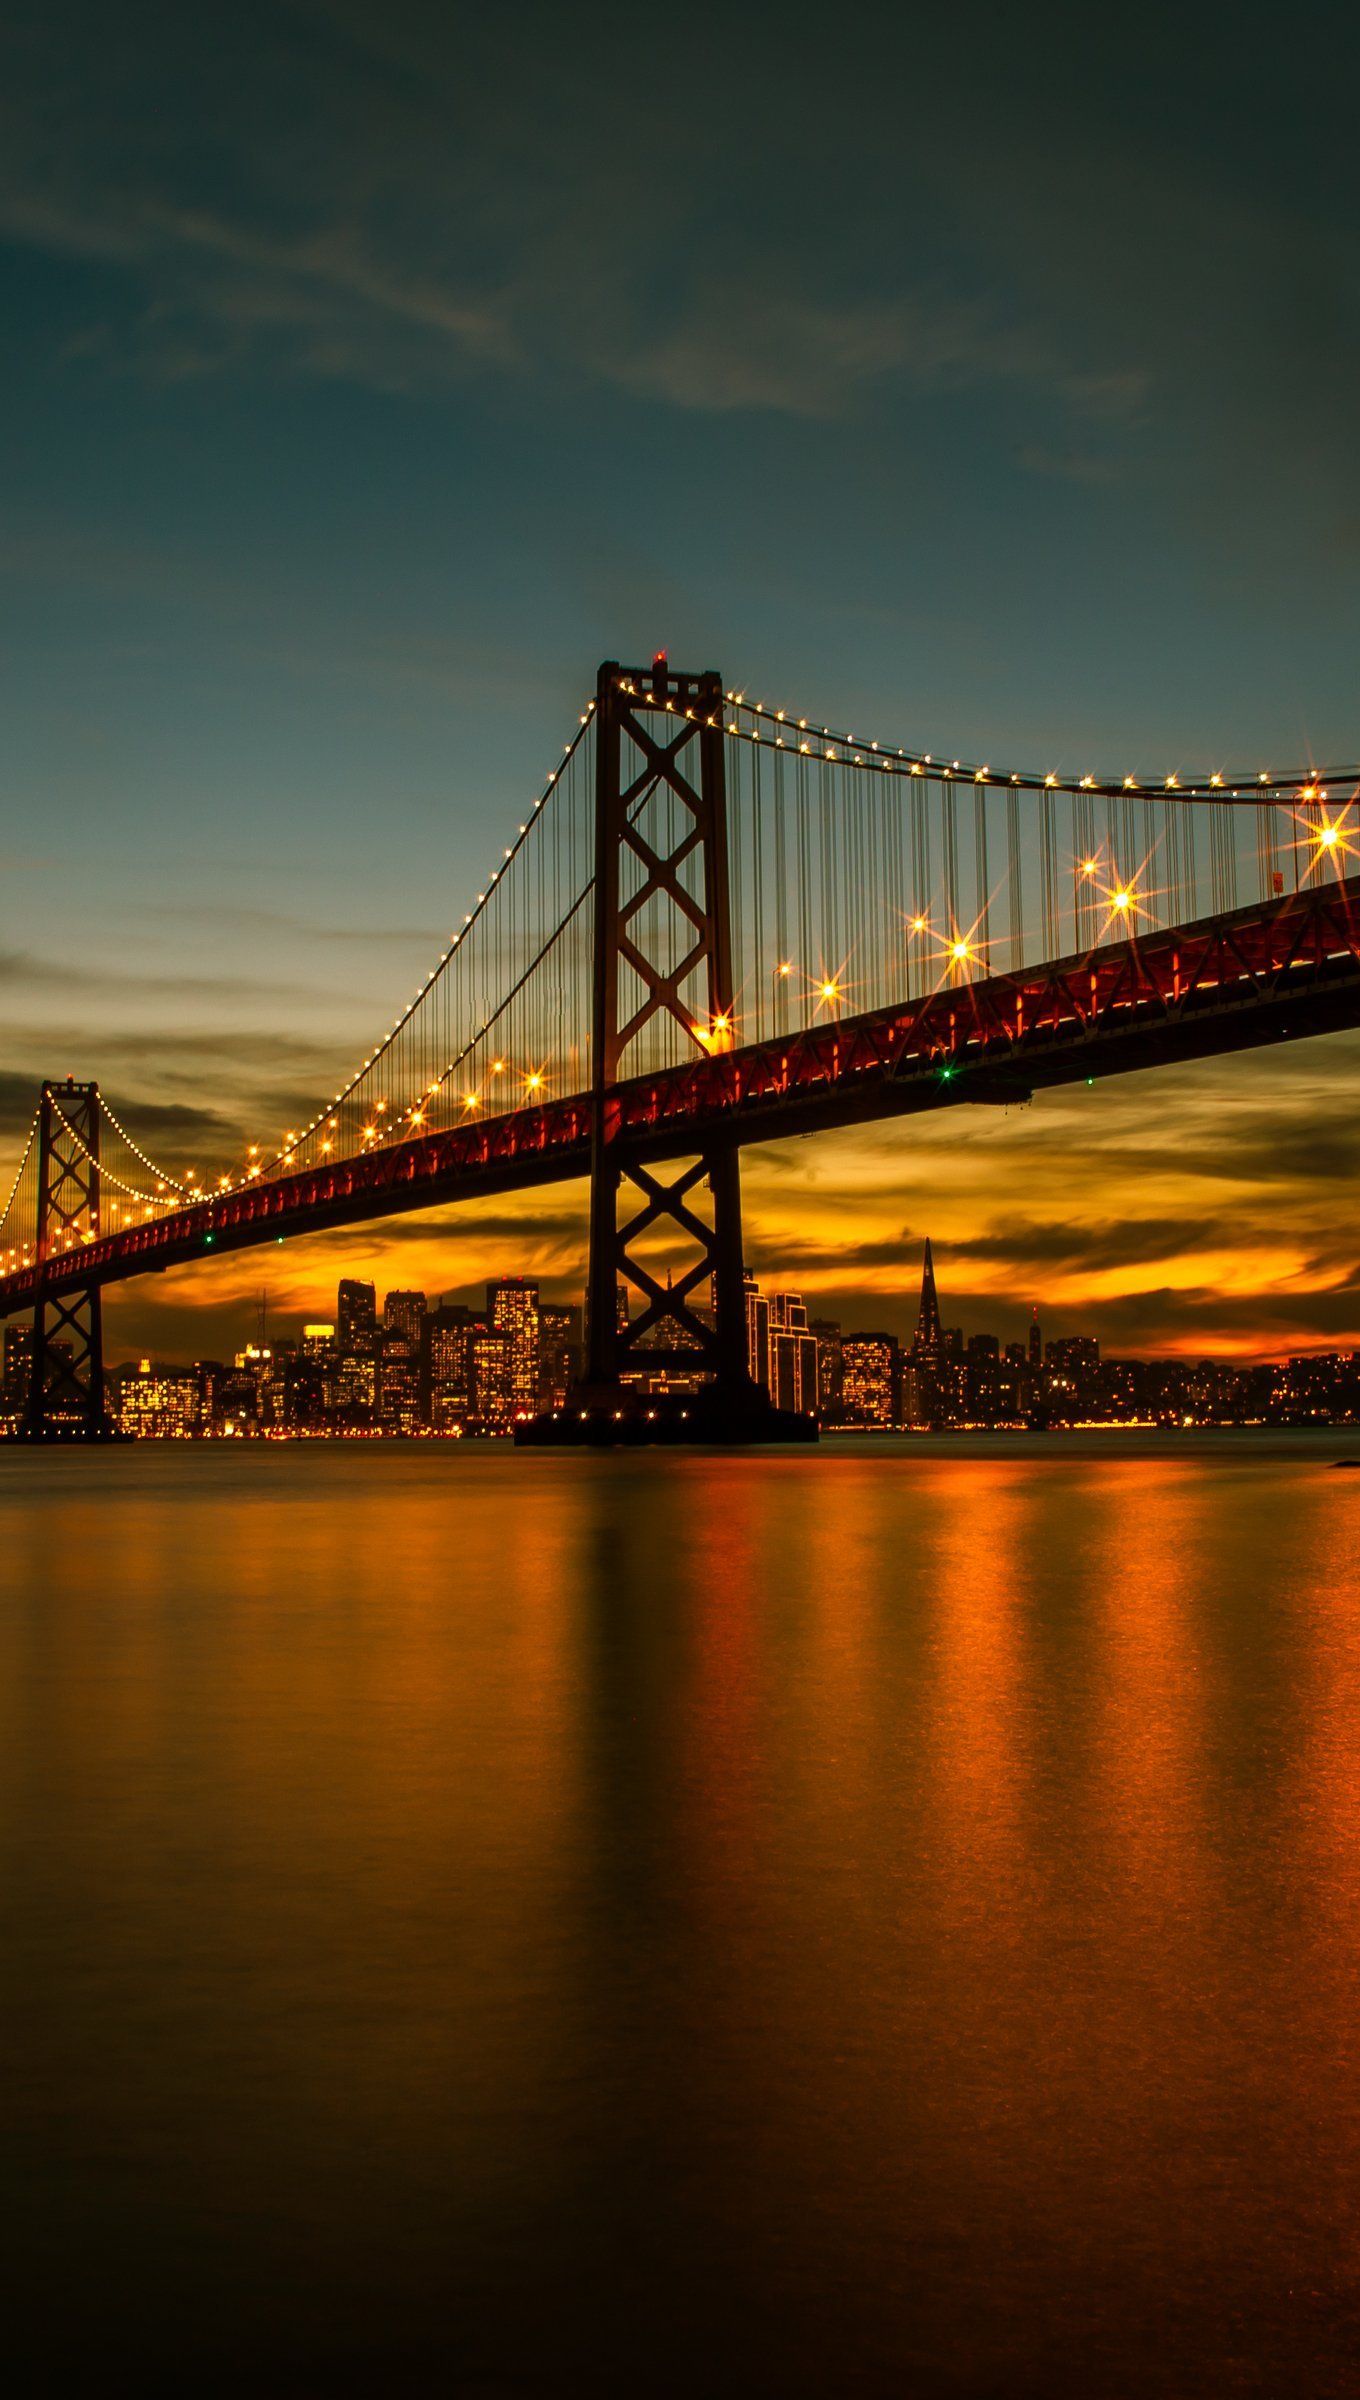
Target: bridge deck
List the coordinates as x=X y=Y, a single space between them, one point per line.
x=1254 y=976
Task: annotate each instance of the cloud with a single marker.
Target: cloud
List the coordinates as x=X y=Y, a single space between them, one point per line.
x=24 y=971
x=433 y=228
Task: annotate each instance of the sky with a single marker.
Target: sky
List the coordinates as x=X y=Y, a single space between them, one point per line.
x=370 y=372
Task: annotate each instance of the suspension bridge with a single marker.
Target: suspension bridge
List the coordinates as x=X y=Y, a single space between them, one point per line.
x=722 y=922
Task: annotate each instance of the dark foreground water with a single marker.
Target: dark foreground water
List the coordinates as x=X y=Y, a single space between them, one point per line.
x=870 y=1921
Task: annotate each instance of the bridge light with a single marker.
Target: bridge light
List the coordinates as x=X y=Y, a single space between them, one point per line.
x=960 y=953
x=829 y=992
x=498 y=1066
x=1329 y=836
x=919 y=924
x=784 y=967
x=533 y=1082
x=470 y=1100
x=1123 y=900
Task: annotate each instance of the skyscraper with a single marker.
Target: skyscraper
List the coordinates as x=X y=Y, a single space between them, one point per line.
x=404 y=1315
x=792 y=1354
x=452 y=1329
x=356 y=1340
x=757 y=1334
x=356 y=1318
x=559 y=1354
x=928 y=1345
x=928 y=1380
x=400 y=1360
x=512 y=1312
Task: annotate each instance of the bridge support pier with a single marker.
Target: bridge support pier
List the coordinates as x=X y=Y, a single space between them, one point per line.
x=663 y=960
x=66 y=1374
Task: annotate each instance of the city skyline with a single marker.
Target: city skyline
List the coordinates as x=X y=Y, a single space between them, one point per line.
x=142 y=1317
x=408 y=1363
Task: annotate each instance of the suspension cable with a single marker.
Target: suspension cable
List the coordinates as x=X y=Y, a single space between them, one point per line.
x=1261 y=790
x=19 y=1175
x=137 y=1152
x=468 y=926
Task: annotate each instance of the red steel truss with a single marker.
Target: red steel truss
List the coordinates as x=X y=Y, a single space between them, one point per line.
x=1254 y=976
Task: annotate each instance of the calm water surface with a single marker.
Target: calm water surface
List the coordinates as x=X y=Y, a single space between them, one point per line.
x=875 y=1921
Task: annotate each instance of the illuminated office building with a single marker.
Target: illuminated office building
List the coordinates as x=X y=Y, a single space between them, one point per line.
x=490 y=1367
x=452 y=1327
x=869 y=1378
x=512 y=1313
x=559 y=1353
x=158 y=1403
x=757 y=1334
x=793 y=1355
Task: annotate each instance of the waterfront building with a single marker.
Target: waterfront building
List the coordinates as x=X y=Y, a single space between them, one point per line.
x=356 y=1338
x=512 y=1314
x=793 y=1354
x=559 y=1353
x=490 y=1379
x=356 y=1318
x=398 y=1384
x=757 y=1334
x=155 y=1403
x=830 y=1369
x=869 y=1379
x=14 y=1379
x=321 y=1370
x=452 y=1326
x=1075 y=1354
x=404 y=1317
x=401 y=1355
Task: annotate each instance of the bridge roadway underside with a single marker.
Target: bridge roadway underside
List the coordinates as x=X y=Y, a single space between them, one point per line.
x=1244 y=980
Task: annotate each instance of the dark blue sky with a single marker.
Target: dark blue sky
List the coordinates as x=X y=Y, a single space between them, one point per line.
x=985 y=379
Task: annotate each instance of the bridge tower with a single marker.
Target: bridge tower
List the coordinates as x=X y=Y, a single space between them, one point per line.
x=663 y=948
x=66 y=1380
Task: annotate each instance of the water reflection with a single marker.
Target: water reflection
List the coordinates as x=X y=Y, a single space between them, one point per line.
x=877 y=1921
